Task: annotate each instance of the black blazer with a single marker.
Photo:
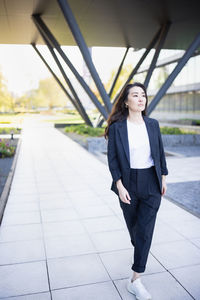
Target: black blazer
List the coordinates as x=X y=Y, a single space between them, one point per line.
x=118 y=151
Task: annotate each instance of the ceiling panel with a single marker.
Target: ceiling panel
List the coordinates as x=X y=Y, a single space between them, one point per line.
x=103 y=22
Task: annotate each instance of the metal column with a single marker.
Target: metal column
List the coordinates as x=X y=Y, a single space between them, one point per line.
x=38 y=21
x=160 y=44
x=189 y=52
x=79 y=104
x=68 y=14
x=118 y=72
x=56 y=78
x=148 y=49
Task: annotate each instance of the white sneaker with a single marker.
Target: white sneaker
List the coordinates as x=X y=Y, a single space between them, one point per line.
x=137 y=288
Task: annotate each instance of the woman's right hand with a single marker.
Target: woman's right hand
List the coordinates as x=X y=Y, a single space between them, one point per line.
x=123 y=193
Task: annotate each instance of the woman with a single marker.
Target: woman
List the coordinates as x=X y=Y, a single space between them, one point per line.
x=137 y=164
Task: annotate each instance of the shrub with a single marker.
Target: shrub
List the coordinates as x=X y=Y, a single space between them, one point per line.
x=6 y=150
x=9 y=130
x=174 y=130
x=196 y=122
x=86 y=130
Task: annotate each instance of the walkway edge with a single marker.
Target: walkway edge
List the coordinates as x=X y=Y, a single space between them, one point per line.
x=6 y=189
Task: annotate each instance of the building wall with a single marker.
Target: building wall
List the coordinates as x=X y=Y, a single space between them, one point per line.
x=179 y=102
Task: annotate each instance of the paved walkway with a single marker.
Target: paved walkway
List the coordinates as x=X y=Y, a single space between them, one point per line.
x=63 y=235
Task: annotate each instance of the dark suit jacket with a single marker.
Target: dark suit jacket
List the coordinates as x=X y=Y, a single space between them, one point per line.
x=118 y=151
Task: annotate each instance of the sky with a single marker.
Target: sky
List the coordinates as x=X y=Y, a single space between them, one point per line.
x=22 y=68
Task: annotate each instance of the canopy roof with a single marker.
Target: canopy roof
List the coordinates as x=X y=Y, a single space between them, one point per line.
x=116 y=23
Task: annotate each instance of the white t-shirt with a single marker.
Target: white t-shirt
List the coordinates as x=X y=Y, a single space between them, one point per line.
x=139 y=147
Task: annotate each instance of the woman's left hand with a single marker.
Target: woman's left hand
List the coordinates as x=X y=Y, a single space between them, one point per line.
x=164 y=186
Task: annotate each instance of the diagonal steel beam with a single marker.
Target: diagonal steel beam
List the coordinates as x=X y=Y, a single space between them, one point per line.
x=188 y=53
x=69 y=17
x=76 y=98
x=160 y=44
x=118 y=72
x=56 y=78
x=134 y=71
x=38 y=21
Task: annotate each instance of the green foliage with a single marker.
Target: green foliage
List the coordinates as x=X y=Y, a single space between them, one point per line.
x=120 y=81
x=48 y=94
x=6 y=100
x=6 y=150
x=162 y=76
x=197 y=122
x=174 y=130
x=8 y=118
x=85 y=130
x=9 y=130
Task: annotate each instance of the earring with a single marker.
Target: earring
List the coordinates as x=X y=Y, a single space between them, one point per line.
x=126 y=105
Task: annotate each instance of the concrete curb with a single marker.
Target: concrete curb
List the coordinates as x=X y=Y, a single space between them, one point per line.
x=99 y=144
x=6 y=189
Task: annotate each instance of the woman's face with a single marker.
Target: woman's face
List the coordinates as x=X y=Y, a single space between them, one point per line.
x=136 y=99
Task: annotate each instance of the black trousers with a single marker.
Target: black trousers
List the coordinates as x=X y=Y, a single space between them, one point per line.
x=140 y=215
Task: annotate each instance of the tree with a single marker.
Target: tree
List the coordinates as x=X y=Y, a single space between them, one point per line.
x=49 y=94
x=124 y=74
x=162 y=76
x=6 y=100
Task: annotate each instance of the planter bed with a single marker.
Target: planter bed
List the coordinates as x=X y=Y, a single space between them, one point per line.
x=7 y=167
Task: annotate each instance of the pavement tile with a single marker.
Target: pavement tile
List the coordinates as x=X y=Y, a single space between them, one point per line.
x=189 y=228
x=21 y=207
x=119 y=263
x=76 y=270
x=59 y=215
x=21 y=251
x=69 y=245
x=21 y=279
x=19 y=218
x=175 y=216
x=85 y=202
x=111 y=240
x=40 y=296
x=161 y=286
x=101 y=224
x=196 y=242
x=53 y=196
x=13 y=198
x=163 y=233
x=56 y=229
x=71 y=187
x=82 y=196
x=20 y=232
x=176 y=254
x=23 y=194
x=189 y=279
x=97 y=291
x=94 y=211
x=55 y=204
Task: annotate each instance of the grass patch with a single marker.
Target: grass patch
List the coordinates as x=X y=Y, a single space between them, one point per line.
x=11 y=118
x=9 y=130
x=175 y=130
x=85 y=130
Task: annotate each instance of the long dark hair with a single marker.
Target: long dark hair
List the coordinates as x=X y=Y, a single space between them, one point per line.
x=120 y=110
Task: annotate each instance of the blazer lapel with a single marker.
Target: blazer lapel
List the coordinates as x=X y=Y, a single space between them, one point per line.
x=124 y=137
